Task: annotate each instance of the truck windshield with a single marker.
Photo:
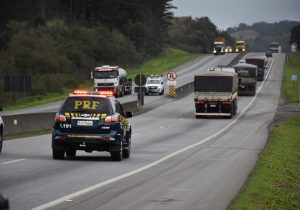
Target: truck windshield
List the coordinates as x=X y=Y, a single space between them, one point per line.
x=246 y=72
x=105 y=74
x=240 y=44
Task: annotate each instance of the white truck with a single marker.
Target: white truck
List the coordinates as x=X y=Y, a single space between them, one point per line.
x=111 y=78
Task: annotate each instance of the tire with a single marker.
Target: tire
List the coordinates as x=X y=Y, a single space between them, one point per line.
x=58 y=154
x=71 y=153
x=126 y=151
x=1 y=140
x=117 y=155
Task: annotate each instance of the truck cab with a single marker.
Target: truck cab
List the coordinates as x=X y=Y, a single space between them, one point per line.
x=240 y=46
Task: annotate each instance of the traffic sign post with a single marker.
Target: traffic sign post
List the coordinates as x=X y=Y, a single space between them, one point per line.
x=171 y=76
x=140 y=81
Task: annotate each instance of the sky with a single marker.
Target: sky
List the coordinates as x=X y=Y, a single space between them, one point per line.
x=230 y=13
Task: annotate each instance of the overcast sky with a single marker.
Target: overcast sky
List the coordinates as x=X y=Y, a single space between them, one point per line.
x=230 y=13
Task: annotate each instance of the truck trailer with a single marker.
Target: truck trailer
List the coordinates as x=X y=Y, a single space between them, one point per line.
x=113 y=79
x=215 y=94
x=247 y=74
x=261 y=66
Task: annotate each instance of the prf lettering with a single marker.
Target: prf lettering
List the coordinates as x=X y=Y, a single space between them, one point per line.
x=86 y=105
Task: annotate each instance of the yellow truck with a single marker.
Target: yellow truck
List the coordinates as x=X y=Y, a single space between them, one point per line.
x=240 y=46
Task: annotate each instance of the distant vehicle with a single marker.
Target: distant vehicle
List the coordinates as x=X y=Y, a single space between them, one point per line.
x=260 y=63
x=154 y=84
x=91 y=121
x=1 y=130
x=269 y=54
x=242 y=61
x=111 y=78
x=215 y=94
x=219 y=46
x=228 y=49
x=240 y=46
x=247 y=78
x=275 y=47
x=265 y=59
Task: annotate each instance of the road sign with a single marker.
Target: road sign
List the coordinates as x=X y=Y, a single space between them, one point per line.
x=140 y=80
x=294 y=77
x=171 y=76
x=140 y=89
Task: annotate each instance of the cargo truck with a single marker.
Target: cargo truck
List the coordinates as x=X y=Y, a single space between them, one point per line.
x=113 y=79
x=215 y=94
x=219 y=46
x=240 y=46
x=260 y=62
x=247 y=74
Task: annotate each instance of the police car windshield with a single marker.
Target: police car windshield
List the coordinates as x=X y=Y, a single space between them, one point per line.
x=105 y=74
x=85 y=104
x=153 y=81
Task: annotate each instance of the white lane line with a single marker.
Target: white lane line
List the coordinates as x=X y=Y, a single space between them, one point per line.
x=136 y=134
x=153 y=164
x=13 y=161
x=163 y=126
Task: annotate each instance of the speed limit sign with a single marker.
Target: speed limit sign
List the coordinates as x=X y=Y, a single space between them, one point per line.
x=171 y=76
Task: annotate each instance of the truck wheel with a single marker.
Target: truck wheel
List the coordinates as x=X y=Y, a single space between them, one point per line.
x=117 y=155
x=126 y=151
x=71 y=153
x=58 y=154
x=1 y=140
x=234 y=107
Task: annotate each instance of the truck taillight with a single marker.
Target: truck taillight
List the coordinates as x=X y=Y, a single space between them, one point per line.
x=60 y=118
x=112 y=118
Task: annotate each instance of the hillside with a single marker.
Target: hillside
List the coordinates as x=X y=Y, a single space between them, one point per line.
x=259 y=35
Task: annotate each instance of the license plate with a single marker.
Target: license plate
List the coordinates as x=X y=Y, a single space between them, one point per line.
x=84 y=123
x=213 y=105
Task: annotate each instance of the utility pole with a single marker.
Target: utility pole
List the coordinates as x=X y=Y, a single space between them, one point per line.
x=43 y=9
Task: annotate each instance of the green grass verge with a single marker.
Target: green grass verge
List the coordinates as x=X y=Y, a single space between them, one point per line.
x=291 y=88
x=169 y=59
x=12 y=135
x=275 y=182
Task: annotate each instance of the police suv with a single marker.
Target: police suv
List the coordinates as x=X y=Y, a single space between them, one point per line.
x=91 y=121
x=1 y=130
x=154 y=84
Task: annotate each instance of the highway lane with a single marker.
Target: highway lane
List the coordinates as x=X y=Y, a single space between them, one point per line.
x=184 y=72
x=30 y=177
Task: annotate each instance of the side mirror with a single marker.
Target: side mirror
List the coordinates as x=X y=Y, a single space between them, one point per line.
x=1 y=109
x=128 y=114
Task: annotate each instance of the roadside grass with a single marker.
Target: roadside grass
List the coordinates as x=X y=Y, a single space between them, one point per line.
x=169 y=59
x=291 y=88
x=275 y=182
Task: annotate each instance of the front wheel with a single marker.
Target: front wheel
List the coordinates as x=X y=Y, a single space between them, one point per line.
x=58 y=154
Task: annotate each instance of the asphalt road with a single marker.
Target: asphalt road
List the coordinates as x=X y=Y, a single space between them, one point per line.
x=177 y=162
x=185 y=73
